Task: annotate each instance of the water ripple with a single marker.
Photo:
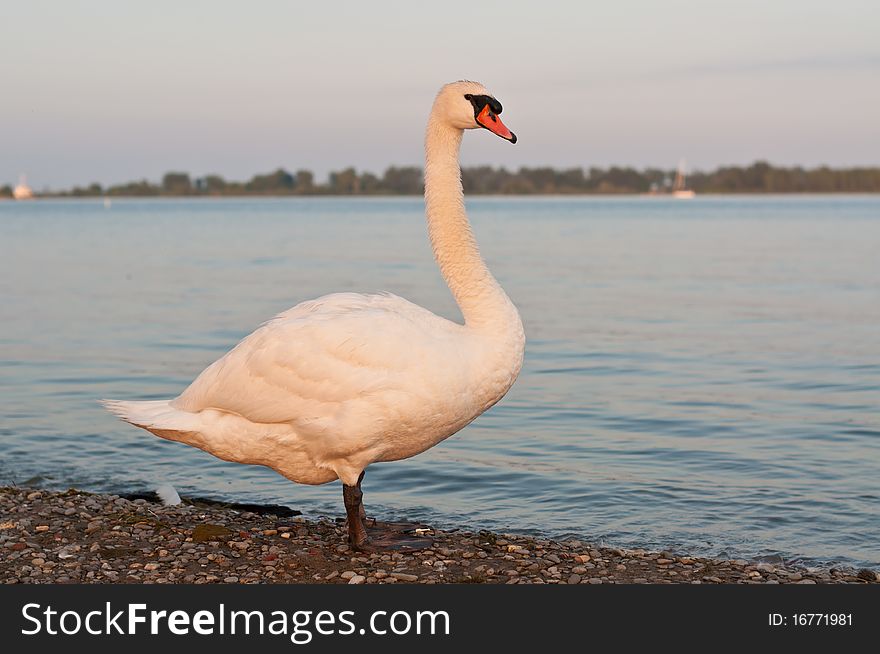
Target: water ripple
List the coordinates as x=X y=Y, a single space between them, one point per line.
x=699 y=376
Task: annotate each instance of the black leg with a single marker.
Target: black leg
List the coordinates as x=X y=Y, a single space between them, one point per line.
x=385 y=536
x=352 y=496
x=363 y=512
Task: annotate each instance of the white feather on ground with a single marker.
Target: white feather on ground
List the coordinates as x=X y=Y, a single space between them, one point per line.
x=168 y=495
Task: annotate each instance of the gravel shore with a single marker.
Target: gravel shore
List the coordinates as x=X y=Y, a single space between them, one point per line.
x=77 y=537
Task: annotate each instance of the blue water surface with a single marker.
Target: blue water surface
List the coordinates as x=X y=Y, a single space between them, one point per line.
x=701 y=376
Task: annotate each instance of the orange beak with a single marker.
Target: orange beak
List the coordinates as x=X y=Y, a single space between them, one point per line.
x=486 y=118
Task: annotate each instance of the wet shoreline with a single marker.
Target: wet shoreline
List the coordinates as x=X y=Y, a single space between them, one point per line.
x=78 y=537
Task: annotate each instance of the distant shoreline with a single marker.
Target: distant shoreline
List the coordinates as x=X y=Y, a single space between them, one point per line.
x=388 y=196
x=757 y=178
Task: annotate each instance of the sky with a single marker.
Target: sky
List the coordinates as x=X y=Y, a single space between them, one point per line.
x=107 y=91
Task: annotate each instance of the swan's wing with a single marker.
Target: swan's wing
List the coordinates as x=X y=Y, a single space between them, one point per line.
x=311 y=363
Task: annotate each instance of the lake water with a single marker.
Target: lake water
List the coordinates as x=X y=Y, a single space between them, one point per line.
x=702 y=376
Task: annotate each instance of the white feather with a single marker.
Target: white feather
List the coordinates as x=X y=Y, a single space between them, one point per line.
x=168 y=495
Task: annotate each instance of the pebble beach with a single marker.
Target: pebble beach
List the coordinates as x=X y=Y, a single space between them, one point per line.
x=77 y=537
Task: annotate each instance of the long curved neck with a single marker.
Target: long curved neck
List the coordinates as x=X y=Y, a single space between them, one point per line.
x=482 y=301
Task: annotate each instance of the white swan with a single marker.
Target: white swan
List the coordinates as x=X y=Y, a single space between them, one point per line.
x=326 y=388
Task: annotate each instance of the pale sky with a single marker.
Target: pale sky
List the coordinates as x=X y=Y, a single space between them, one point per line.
x=112 y=91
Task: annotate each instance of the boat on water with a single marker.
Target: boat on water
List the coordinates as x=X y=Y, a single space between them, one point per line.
x=22 y=191
x=679 y=186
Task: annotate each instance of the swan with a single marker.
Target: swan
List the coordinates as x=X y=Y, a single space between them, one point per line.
x=326 y=388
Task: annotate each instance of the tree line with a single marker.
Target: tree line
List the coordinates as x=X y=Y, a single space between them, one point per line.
x=760 y=177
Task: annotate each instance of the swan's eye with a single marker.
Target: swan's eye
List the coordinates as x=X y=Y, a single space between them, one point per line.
x=482 y=101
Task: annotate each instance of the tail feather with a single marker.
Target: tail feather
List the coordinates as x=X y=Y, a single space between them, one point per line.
x=152 y=415
x=228 y=436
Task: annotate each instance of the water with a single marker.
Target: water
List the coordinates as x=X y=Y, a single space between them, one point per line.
x=702 y=376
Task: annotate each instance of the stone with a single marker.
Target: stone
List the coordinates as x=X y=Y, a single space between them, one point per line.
x=137 y=542
x=208 y=532
x=866 y=574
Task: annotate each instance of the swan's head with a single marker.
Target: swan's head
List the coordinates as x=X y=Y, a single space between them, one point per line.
x=468 y=105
